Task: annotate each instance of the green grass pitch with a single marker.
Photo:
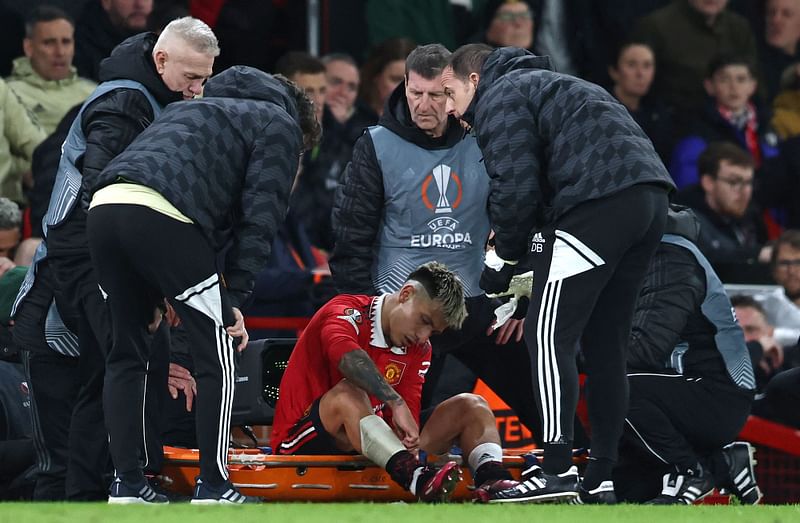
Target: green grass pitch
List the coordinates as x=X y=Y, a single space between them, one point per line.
x=394 y=512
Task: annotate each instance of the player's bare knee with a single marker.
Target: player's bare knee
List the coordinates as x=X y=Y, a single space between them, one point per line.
x=345 y=395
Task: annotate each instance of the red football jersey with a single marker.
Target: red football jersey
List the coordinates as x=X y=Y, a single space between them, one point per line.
x=346 y=323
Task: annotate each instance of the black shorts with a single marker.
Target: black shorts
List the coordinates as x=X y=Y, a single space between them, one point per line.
x=308 y=436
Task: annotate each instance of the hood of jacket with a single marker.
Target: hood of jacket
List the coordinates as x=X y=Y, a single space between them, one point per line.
x=682 y=221
x=397 y=118
x=133 y=60
x=241 y=81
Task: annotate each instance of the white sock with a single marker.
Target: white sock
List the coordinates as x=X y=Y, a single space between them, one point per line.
x=484 y=453
x=413 y=486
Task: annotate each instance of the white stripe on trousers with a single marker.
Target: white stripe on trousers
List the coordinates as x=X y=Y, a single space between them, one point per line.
x=225 y=356
x=547 y=365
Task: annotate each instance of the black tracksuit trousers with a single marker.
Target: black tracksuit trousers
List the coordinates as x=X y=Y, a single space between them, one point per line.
x=588 y=268
x=141 y=256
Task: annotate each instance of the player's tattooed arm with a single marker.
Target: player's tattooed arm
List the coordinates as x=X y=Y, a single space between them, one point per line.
x=359 y=368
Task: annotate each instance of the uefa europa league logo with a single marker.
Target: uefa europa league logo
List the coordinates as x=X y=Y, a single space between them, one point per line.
x=441 y=175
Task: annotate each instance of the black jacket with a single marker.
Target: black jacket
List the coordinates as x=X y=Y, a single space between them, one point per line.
x=110 y=123
x=312 y=199
x=550 y=142
x=227 y=161
x=359 y=201
x=668 y=311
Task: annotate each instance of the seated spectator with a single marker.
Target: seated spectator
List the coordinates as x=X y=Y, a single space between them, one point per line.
x=632 y=74
x=354 y=380
x=44 y=79
x=19 y=136
x=691 y=382
x=778 y=49
x=507 y=23
x=101 y=26
x=685 y=36
x=732 y=232
x=786 y=264
x=349 y=114
x=729 y=115
x=384 y=68
x=786 y=106
x=768 y=355
x=10 y=228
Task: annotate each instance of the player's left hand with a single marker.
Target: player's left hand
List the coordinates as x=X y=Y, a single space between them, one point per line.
x=237 y=330
x=405 y=425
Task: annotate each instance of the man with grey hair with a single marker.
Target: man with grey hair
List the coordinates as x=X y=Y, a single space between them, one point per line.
x=10 y=228
x=354 y=383
x=416 y=191
x=143 y=74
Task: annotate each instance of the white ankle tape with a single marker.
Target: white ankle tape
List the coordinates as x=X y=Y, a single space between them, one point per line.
x=378 y=442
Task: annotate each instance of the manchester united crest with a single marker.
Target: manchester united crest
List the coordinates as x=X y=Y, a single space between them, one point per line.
x=393 y=372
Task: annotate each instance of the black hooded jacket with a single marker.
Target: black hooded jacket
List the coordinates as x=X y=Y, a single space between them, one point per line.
x=227 y=161
x=110 y=123
x=95 y=38
x=551 y=142
x=668 y=309
x=359 y=202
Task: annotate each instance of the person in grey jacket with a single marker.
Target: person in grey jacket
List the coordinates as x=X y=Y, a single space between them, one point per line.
x=208 y=176
x=577 y=188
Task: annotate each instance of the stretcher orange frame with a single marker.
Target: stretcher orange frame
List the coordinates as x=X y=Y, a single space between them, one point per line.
x=309 y=478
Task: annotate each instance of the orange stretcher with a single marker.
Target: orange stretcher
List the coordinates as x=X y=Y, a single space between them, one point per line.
x=308 y=478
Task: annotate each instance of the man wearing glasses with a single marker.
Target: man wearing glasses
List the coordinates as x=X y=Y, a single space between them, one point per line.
x=731 y=229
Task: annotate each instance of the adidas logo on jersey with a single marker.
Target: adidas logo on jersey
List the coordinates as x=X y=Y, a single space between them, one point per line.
x=537 y=242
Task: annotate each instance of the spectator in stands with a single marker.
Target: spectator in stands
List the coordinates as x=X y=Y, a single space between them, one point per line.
x=508 y=23
x=691 y=382
x=12 y=32
x=344 y=81
x=632 y=74
x=10 y=228
x=786 y=106
x=354 y=380
x=729 y=115
x=685 y=35
x=779 y=48
x=767 y=354
x=44 y=79
x=309 y=73
x=19 y=136
x=102 y=25
x=382 y=71
x=731 y=231
x=786 y=264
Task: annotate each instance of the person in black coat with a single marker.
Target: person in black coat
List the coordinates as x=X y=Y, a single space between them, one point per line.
x=207 y=177
x=577 y=188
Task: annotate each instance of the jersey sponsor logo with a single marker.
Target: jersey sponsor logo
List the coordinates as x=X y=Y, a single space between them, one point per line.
x=353 y=317
x=393 y=372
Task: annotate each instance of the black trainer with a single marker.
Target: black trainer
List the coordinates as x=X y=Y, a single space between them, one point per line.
x=740 y=457
x=541 y=487
x=602 y=495
x=127 y=493
x=225 y=494
x=683 y=489
x=486 y=492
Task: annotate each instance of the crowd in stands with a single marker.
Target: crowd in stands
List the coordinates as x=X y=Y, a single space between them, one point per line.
x=715 y=85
